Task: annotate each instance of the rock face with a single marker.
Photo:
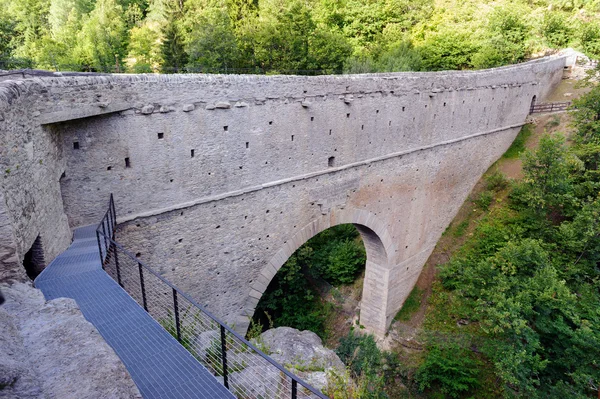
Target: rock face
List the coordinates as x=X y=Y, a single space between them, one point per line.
x=48 y=350
x=300 y=352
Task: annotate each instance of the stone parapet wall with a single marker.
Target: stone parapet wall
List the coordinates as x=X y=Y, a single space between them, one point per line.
x=214 y=176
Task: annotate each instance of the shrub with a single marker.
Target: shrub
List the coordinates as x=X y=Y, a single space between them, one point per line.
x=450 y=367
x=496 y=181
x=485 y=200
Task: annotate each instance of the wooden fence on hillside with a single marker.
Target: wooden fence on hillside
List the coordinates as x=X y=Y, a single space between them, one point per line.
x=549 y=107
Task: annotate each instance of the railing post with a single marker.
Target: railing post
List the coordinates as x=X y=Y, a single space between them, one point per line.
x=176 y=307
x=113 y=212
x=109 y=223
x=294 y=389
x=143 y=287
x=114 y=247
x=100 y=249
x=105 y=242
x=224 y=357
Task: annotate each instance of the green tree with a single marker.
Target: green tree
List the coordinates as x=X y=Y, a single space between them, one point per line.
x=210 y=39
x=144 y=49
x=556 y=29
x=103 y=37
x=505 y=37
x=447 y=49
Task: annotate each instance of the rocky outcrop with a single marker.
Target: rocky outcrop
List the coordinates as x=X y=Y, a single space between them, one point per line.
x=48 y=350
x=300 y=352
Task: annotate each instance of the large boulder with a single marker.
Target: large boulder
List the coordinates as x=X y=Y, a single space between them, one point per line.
x=301 y=352
x=48 y=350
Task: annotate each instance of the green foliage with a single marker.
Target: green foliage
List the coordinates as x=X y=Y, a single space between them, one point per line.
x=556 y=29
x=496 y=181
x=275 y=36
x=529 y=279
x=484 y=200
x=461 y=229
x=103 y=36
x=449 y=367
x=555 y=121
x=447 y=49
x=411 y=305
x=359 y=352
x=335 y=255
x=590 y=39
x=518 y=146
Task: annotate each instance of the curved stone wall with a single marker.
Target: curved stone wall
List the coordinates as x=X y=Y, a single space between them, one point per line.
x=214 y=176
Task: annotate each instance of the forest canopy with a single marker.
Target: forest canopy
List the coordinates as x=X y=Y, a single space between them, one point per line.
x=289 y=36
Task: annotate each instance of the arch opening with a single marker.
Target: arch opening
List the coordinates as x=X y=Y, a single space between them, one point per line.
x=532 y=107
x=33 y=261
x=377 y=245
x=319 y=286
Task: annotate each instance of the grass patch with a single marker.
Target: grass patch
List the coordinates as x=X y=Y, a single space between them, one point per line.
x=518 y=146
x=461 y=229
x=555 y=121
x=484 y=200
x=496 y=181
x=411 y=305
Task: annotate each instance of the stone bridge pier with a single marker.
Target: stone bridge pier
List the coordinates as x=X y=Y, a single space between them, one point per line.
x=219 y=179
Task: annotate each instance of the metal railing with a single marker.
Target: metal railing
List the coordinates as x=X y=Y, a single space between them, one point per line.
x=238 y=364
x=549 y=107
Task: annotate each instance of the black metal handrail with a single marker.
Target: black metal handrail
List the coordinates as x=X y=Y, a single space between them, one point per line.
x=227 y=355
x=106 y=228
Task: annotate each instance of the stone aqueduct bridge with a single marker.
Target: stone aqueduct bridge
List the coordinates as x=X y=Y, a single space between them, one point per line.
x=219 y=179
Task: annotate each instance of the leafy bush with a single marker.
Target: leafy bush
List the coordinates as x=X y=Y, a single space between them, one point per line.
x=484 y=200
x=449 y=367
x=359 y=352
x=556 y=29
x=496 y=181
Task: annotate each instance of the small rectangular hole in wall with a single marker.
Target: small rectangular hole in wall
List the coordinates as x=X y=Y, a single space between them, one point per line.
x=330 y=132
x=331 y=161
x=270 y=122
x=109 y=168
x=76 y=145
x=292 y=137
x=192 y=153
x=312 y=118
x=161 y=136
x=247 y=144
x=127 y=163
x=225 y=128
x=362 y=127
x=347 y=115
x=403 y=109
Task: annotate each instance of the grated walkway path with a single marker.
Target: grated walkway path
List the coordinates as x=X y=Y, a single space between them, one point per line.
x=158 y=364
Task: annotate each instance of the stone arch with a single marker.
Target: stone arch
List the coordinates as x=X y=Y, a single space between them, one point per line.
x=533 y=100
x=379 y=248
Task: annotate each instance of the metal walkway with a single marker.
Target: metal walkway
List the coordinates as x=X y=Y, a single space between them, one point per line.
x=158 y=364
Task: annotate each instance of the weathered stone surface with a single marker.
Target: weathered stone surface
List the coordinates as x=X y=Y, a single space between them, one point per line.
x=188 y=107
x=396 y=162
x=147 y=109
x=48 y=350
x=300 y=352
x=223 y=105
